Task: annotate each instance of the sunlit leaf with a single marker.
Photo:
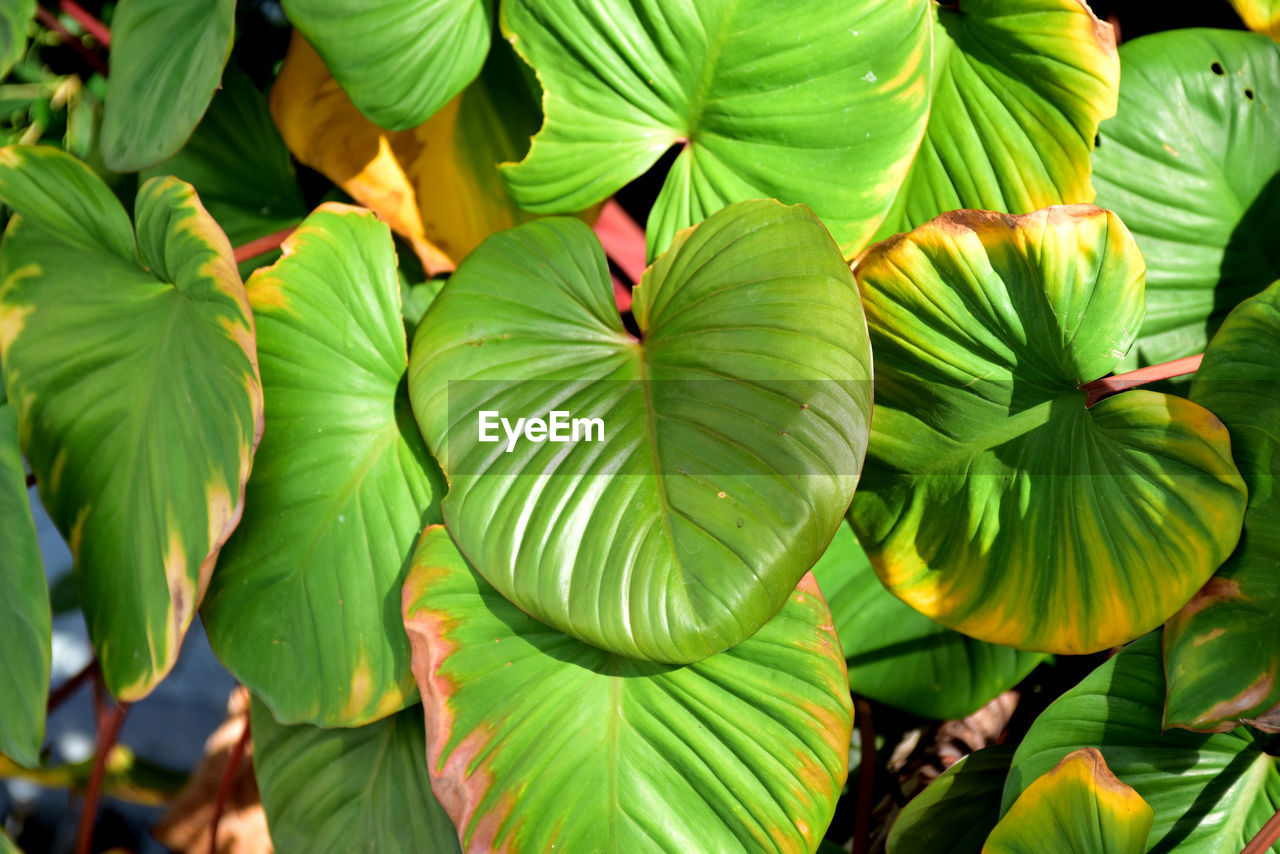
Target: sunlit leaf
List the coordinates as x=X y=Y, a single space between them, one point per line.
x=538 y=742
x=994 y=501
x=166 y=61
x=342 y=790
x=900 y=657
x=1191 y=163
x=436 y=184
x=1018 y=90
x=730 y=438
x=139 y=406
x=957 y=810
x=824 y=107
x=1222 y=650
x=1210 y=793
x=399 y=60
x=25 y=619
x=1077 y=807
x=304 y=608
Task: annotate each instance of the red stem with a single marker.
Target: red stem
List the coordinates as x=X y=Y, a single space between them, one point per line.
x=622 y=238
x=225 y=784
x=91 y=25
x=866 y=776
x=1266 y=837
x=45 y=17
x=1107 y=386
x=262 y=245
x=108 y=731
x=59 y=695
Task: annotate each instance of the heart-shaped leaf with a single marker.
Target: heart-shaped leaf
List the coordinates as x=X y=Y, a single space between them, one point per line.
x=343 y=484
x=342 y=790
x=136 y=381
x=1210 y=793
x=1222 y=650
x=957 y=810
x=399 y=60
x=1018 y=90
x=1199 y=119
x=824 y=107
x=994 y=501
x=166 y=61
x=897 y=655
x=14 y=16
x=25 y=619
x=729 y=440
x=1077 y=806
x=537 y=741
x=240 y=167
x=436 y=184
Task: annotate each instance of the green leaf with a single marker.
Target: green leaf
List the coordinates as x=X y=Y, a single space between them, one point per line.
x=1210 y=793
x=25 y=619
x=1222 y=650
x=399 y=60
x=537 y=741
x=1191 y=162
x=1078 y=806
x=342 y=790
x=136 y=382
x=166 y=61
x=14 y=17
x=900 y=657
x=732 y=435
x=342 y=485
x=7 y=846
x=993 y=501
x=956 y=811
x=825 y=107
x=240 y=167
x=1019 y=87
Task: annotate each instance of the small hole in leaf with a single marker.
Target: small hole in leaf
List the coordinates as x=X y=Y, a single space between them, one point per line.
x=1216 y=68
x=1097 y=140
x=1248 y=93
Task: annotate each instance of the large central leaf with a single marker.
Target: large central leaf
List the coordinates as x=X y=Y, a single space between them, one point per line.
x=732 y=435
x=994 y=501
x=136 y=380
x=825 y=106
x=538 y=742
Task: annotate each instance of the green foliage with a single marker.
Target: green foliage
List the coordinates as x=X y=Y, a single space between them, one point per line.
x=957 y=811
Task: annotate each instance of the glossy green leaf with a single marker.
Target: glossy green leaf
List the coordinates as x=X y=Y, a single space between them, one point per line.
x=139 y=406
x=7 y=846
x=537 y=741
x=1210 y=793
x=399 y=60
x=900 y=657
x=993 y=501
x=25 y=619
x=239 y=165
x=304 y=608
x=824 y=107
x=166 y=61
x=1019 y=87
x=956 y=811
x=732 y=435
x=1222 y=650
x=14 y=17
x=342 y=790
x=1078 y=807
x=1191 y=163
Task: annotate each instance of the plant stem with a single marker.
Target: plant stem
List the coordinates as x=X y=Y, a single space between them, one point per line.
x=622 y=238
x=227 y=781
x=866 y=776
x=1107 y=386
x=108 y=730
x=1266 y=837
x=91 y=25
x=60 y=694
x=46 y=18
x=262 y=245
